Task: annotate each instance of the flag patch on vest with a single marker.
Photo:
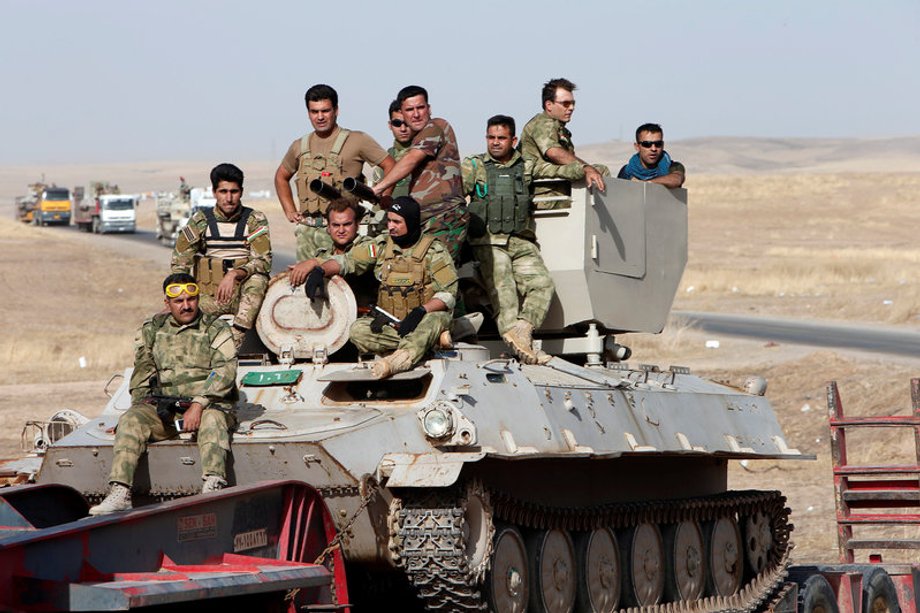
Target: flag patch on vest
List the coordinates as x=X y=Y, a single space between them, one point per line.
x=256 y=234
x=372 y=250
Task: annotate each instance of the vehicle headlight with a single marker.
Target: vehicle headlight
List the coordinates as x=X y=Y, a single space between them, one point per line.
x=438 y=422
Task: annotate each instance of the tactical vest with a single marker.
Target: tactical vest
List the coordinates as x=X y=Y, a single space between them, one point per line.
x=225 y=249
x=404 y=280
x=503 y=205
x=328 y=168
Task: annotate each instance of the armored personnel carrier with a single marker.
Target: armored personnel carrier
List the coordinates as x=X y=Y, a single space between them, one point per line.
x=481 y=483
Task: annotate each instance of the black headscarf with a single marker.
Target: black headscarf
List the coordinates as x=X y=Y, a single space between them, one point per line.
x=408 y=209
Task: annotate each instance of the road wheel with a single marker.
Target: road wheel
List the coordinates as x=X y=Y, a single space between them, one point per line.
x=758 y=541
x=551 y=556
x=879 y=593
x=599 y=574
x=724 y=557
x=817 y=596
x=686 y=578
x=644 y=566
x=507 y=584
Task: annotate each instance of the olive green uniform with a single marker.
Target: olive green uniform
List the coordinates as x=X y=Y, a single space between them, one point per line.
x=196 y=361
x=212 y=244
x=408 y=278
x=543 y=133
x=502 y=237
x=363 y=285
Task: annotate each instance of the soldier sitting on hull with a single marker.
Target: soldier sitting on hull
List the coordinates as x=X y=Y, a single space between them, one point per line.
x=547 y=143
x=502 y=236
x=329 y=153
x=651 y=162
x=228 y=250
x=342 y=219
x=187 y=355
x=418 y=287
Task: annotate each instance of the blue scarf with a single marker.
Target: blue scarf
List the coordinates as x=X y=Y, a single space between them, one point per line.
x=635 y=168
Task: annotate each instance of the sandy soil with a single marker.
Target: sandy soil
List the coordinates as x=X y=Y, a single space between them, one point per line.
x=830 y=246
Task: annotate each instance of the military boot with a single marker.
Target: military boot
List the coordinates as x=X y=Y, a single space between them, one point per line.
x=398 y=361
x=212 y=483
x=118 y=499
x=520 y=339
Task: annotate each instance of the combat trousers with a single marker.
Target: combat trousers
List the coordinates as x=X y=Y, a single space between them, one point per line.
x=520 y=286
x=245 y=303
x=450 y=228
x=310 y=240
x=140 y=424
x=417 y=342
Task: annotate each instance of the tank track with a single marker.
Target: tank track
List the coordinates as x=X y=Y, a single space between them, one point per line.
x=428 y=542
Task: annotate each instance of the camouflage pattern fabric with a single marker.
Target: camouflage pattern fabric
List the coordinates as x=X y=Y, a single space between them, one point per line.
x=436 y=184
x=450 y=228
x=311 y=241
x=417 y=343
x=543 y=133
x=247 y=299
x=196 y=360
x=519 y=285
x=140 y=424
x=244 y=305
x=364 y=285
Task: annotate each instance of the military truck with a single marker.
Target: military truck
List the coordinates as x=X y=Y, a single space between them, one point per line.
x=104 y=209
x=174 y=211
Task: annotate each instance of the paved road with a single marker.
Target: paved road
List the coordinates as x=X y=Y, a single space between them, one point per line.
x=878 y=339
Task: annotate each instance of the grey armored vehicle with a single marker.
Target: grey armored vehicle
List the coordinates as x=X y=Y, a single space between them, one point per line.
x=480 y=483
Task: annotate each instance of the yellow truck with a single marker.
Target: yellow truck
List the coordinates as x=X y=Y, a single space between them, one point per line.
x=52 y=206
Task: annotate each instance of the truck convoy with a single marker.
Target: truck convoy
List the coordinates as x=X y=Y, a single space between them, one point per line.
x=104 y=209
x=45 y=205
x=470 y=483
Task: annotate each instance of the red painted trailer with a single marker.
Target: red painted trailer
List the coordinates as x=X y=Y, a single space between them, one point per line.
x=268 y=546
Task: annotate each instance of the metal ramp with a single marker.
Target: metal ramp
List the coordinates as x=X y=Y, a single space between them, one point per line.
x=260 y=542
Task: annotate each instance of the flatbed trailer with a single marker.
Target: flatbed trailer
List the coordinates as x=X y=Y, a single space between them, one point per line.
x=264 y=546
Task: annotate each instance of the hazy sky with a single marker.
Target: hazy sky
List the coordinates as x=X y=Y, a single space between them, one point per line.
x=100 y=81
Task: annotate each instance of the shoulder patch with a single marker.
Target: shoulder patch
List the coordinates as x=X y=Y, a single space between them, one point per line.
x=190 y=233
x=372 y=250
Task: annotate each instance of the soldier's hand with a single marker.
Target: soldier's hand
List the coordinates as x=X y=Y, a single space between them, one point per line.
x=293 y=216
x=314 y=287
x=226 y=287
x=379 y=321
x=385 y=202
x=412 y=320
x=594 y=178
x=299 y=271
x=191 y=419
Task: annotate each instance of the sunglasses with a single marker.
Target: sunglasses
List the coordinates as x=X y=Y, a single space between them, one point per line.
x=397 y=123
x=647 y=144
x=174 y=290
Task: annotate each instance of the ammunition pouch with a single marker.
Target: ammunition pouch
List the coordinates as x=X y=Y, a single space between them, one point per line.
x=327 y=168
x=502 y=206
x=209 y=272
x=405 y=284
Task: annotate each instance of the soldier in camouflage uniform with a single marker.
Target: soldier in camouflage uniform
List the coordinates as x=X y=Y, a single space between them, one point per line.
x=329 y=154
x=402 y=140
x=501 y=234
x=342 y=220
x=548 y=143
x=229 y=252
x=182 y=353
x=418 y=286
x=433 y=162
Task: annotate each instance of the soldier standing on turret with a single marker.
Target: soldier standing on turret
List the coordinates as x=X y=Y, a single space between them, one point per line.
x=329 y=153
x=229 y=252
x=501 y=234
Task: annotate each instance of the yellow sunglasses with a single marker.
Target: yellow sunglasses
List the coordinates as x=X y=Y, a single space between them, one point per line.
x=173 y=290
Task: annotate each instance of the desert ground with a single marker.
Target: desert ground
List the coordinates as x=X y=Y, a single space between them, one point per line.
x=828 y=236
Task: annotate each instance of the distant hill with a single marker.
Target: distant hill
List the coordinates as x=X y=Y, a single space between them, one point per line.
x=740 y=155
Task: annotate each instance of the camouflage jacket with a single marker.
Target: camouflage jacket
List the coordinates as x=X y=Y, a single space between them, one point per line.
x=197 y=360
x=192 y=241
x=436 y=183
x=541 y=134
x=438 y=263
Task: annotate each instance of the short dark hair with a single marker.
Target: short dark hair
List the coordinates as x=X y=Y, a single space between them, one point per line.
x=395 y=107
x=178 y=277
x=410 y=91
x=340 y=205
x=501 y=120
x=550 y=87
x=649 y=127
x=226 y=172
x=321 y=91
